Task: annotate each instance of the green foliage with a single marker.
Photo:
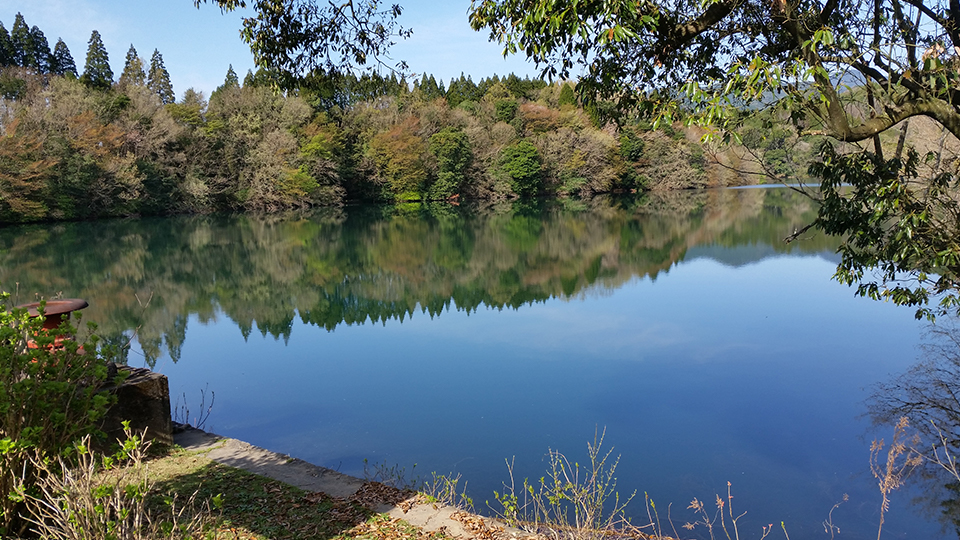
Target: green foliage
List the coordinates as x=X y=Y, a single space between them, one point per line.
x=631 y=145
x=231 y=80
x=96 y=71
x=11 y=86
x=902 y=244
x=49 y=398
x=521 y=164
x=79 y=152
x=570 y=500
x=191 y=108
x=506 y=109
x=451 y=147
x=6 y=47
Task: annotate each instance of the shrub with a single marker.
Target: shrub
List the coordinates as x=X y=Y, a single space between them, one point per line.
x=113 y=497
x=49 y=398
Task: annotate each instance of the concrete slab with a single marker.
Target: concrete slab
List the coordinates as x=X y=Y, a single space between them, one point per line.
x=296 y=472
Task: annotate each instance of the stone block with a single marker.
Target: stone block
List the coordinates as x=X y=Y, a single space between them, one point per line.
x=143 y=399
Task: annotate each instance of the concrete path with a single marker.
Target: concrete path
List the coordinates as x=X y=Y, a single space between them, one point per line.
x=309 y=477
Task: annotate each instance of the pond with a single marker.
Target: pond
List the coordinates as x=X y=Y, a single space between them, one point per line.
x=451 y=339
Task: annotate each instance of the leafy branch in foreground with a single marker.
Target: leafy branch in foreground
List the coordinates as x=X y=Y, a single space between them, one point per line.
x=904 y=227
x=296 y=37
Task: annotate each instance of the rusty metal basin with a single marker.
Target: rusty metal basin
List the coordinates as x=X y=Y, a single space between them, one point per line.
x=55 y=310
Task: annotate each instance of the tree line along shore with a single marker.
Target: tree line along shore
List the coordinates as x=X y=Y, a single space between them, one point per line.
x=79 y=144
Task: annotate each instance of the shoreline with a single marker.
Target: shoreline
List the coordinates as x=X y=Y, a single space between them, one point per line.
x=414 y=509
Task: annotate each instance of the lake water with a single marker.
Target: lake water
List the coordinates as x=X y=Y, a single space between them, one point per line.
x=455 y=338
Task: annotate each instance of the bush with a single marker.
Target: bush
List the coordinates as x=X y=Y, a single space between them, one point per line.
x=113 y=497
x=49 y=398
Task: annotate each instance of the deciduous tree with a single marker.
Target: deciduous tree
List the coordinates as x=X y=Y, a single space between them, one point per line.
x=522 y=166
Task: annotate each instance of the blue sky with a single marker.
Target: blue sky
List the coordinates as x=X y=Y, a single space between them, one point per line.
x=198 y=45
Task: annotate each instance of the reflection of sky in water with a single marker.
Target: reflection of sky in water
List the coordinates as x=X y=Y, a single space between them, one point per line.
x=753 y=374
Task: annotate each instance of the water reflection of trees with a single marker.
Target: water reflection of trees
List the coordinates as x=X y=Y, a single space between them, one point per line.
x=929 y=395
x=376 y=263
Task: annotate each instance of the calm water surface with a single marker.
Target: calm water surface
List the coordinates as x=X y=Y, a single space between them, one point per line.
x=456 y=338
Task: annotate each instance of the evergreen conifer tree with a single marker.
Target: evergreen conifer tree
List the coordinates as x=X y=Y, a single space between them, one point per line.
x=6 y=47
x=62 y=62
x=471 y=92
x=96 y=71
x=231 y=79
x=133 y=73
x=158 y=79
x=454 y=92
x=21 y=42
x=567 y=97
x=41 y=51
x=429 y=88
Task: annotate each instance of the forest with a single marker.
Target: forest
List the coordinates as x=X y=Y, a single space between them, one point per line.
x=78 y=144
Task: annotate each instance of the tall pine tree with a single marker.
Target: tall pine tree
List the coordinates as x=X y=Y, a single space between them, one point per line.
x=21 y=42
x=158 y=79
x=231 y=80
x=41 y=51
x=6 y=47
x=61 y=63
x=96 y=72
x=133 y=74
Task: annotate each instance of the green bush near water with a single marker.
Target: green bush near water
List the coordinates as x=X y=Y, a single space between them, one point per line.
x=49 y=399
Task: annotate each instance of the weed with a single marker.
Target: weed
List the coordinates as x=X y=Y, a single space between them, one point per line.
x=443 y=489
x=828 y=526
x=724 y=512
x=109 y=497
x=390 y=475
x=571 y=502
x=900 y=462
x=181 y=411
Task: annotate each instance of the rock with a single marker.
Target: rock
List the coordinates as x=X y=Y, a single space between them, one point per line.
x=143 y=399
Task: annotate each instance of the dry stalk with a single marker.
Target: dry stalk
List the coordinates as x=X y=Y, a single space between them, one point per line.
x=110 y=497
x=900 y=462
